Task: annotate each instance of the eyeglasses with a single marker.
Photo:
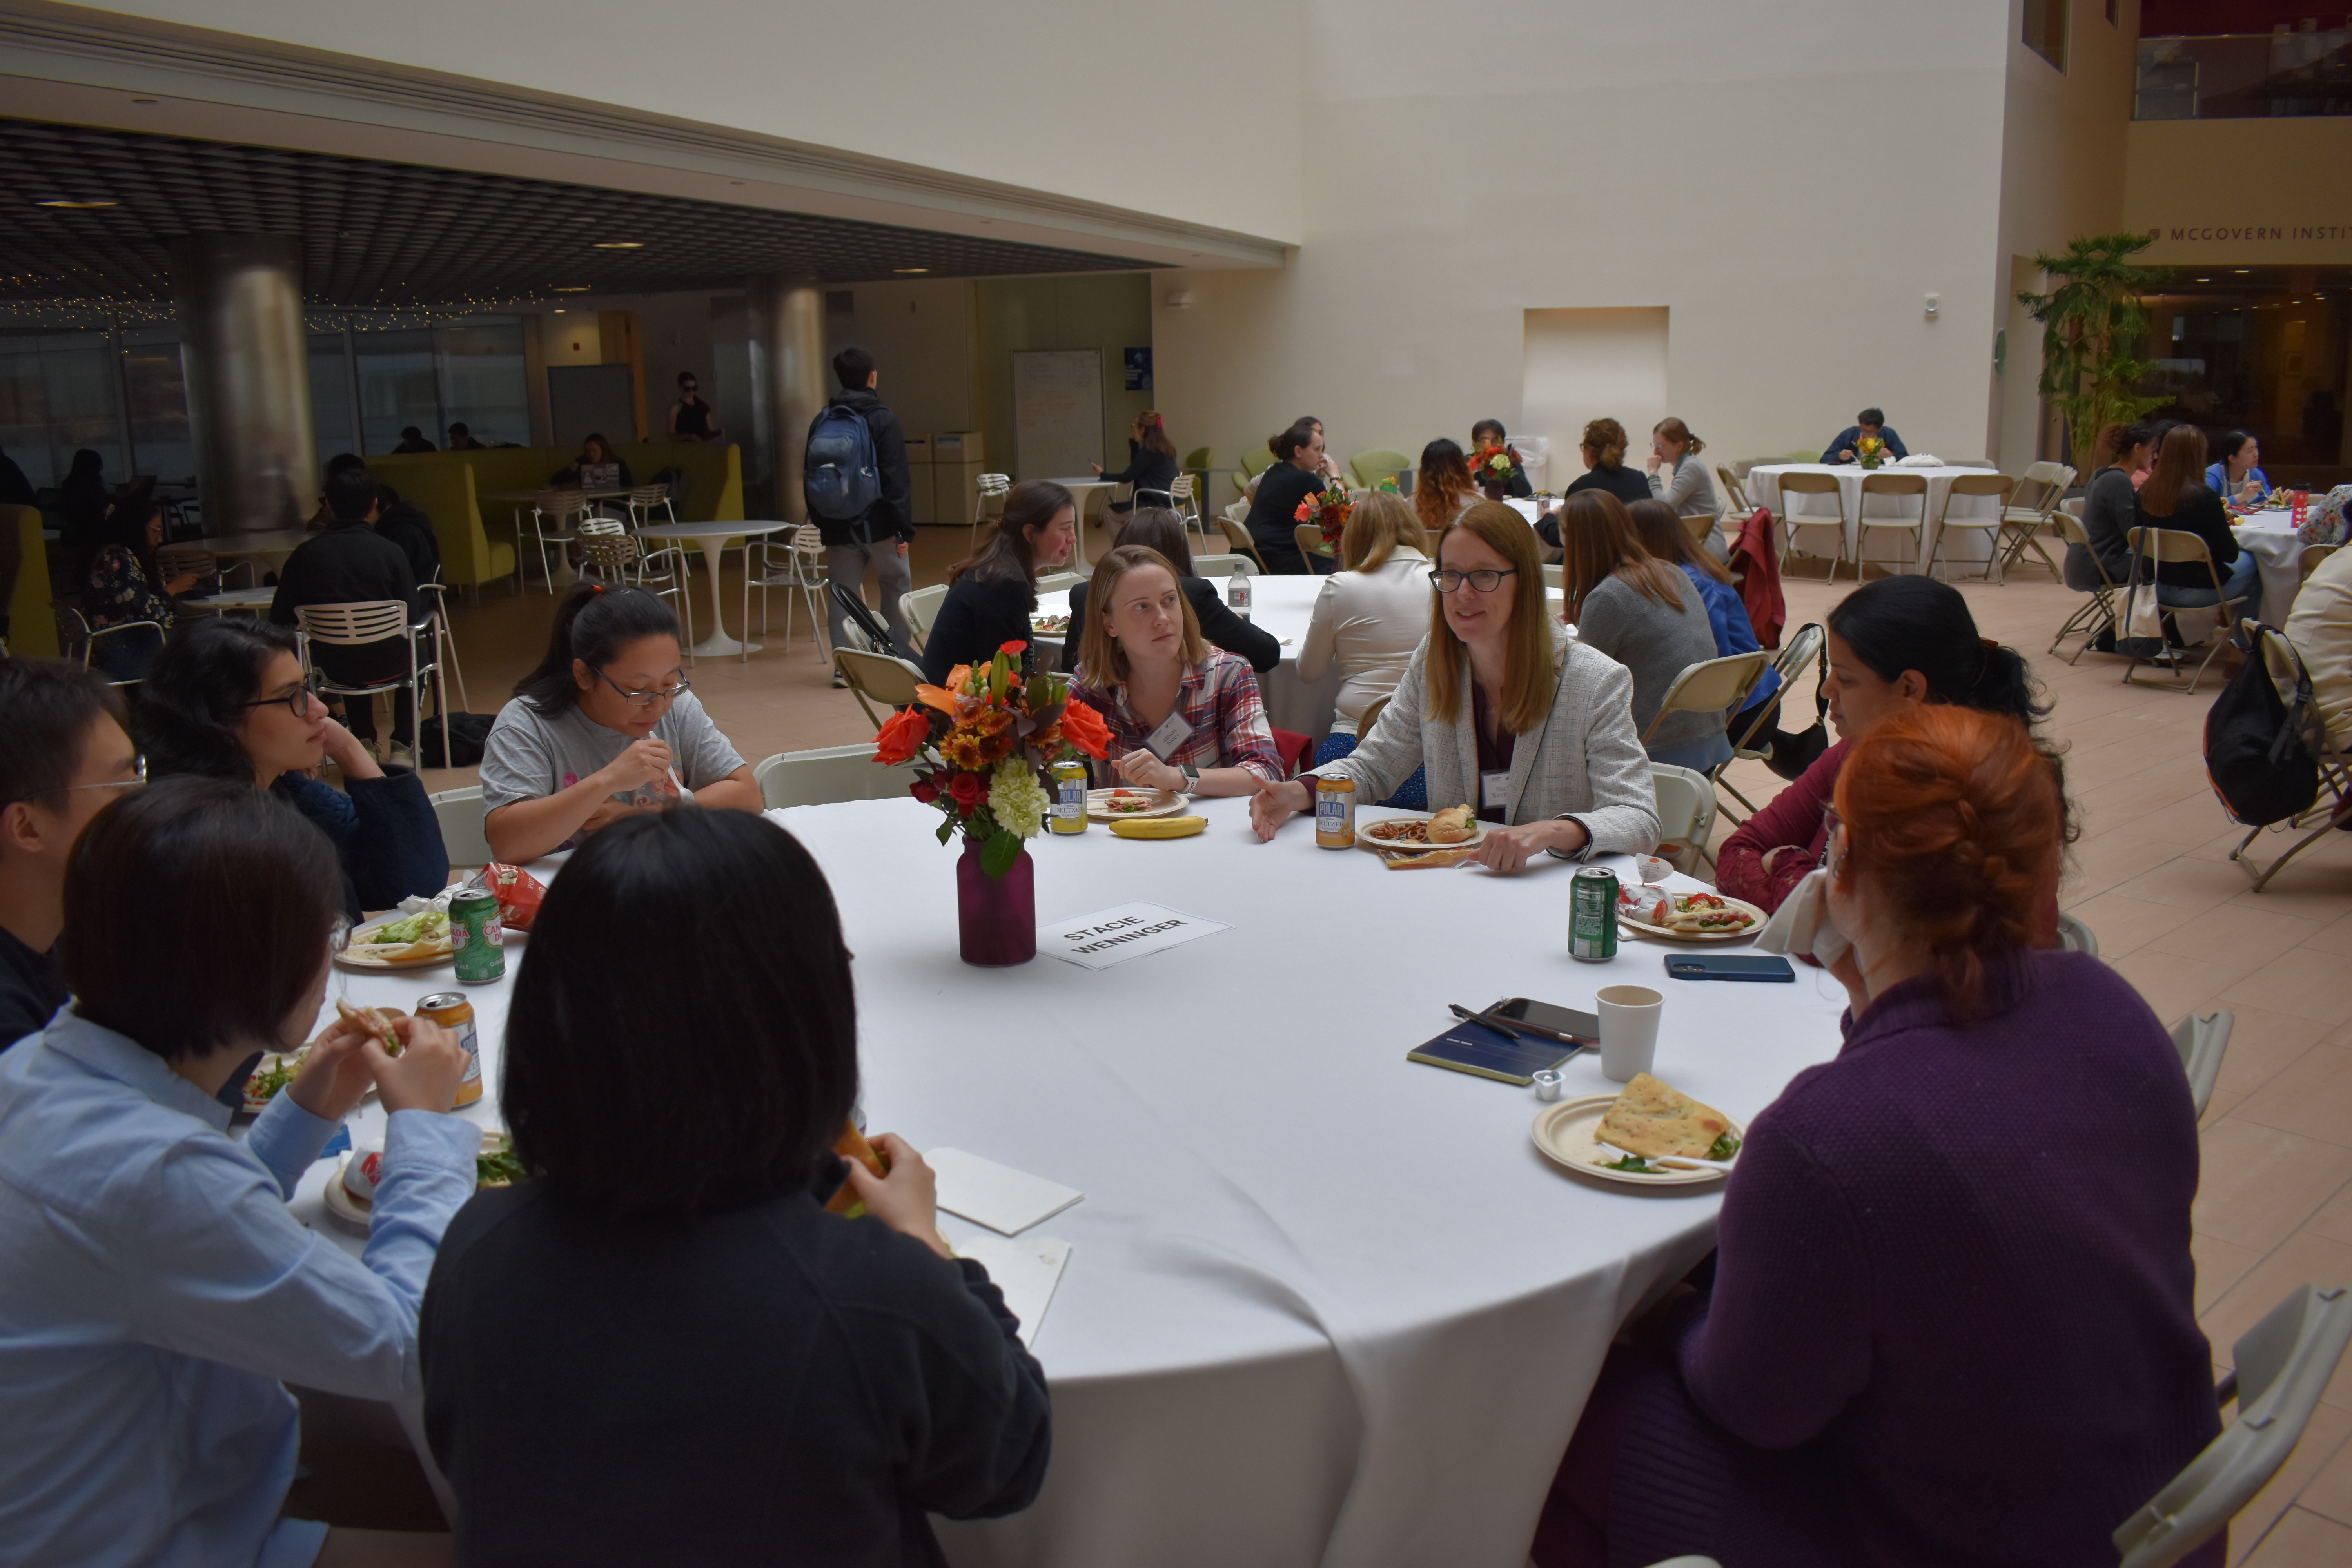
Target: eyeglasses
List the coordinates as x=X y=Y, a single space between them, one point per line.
x=138 y=776
x=1480 y=582
x=648 y=699
x=297 y=701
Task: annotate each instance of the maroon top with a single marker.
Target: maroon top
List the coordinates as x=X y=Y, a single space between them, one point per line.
x=1797 y=816
x=1952 y=1319
x=1494 y=755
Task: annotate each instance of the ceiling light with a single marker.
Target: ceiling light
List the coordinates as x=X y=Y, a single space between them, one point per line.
x=570 y=289
x=64 y=205
x=2243 y=270
x=906 y=271
x=559 y=310
x=2204 y=279
x=620 y=244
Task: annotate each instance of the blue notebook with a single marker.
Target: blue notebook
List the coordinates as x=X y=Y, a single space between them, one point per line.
x=1490 y=1053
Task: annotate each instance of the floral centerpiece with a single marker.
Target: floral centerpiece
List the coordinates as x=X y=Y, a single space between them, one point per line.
x=1326 y=509
x=1870 y=451
x=1493 y=469
x=983 y=742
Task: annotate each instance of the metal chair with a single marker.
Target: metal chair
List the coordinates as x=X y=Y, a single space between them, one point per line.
x=1898 y=486
x=1223 y=565
x=1734 y=492
x=2000 y=487
x=992 y=488
x=795 y=565
x=1685 y=799
x=560 y=506
x=2202 y=1041
x=444 y=639
x=463 y=837
x=2029 y=511
x=920 y=606
x=2282 y=1367
x=1700 y=526
x=2159 y=545
x=364 y=624
x=2332 y=808
x=2098 y=611
x=617 y=556
x=195 y=560
x=74 y=632
x=828 y=775
x=1062 y=582
x=1186 y=502
x=877 y=679
x=1716 y=686
x=643 y=500
x=1812 y=485
x=1803 y=647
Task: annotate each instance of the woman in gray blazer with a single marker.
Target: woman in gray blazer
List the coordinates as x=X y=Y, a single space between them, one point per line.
x=1507 y=713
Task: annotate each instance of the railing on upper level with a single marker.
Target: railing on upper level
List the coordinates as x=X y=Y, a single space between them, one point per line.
x=2244 y=76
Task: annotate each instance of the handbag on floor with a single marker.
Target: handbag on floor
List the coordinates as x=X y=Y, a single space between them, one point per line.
x=2140 y=631
x=457 y=743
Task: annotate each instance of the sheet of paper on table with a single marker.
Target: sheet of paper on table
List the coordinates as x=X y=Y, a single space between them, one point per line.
x=997 y=1196
x=1027 y=1271
x=1120 y=932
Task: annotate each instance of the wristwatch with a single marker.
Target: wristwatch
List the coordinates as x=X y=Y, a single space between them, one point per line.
x=1192 y=776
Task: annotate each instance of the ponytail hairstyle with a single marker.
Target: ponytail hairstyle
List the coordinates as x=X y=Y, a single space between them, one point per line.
x=1956 y=820
x=1287 y=446
x=1011 y=552
x=2226 y=445
x=1605 y=439
x=1155 y=433
x=1675 y=430
x=1662 y=533
x=1439 y=489
x=592 y=624
x=1918 y=623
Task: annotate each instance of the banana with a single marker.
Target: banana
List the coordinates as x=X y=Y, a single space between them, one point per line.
x=1158 y=827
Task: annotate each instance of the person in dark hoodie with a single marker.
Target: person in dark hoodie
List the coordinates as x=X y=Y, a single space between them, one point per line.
x=879 y=539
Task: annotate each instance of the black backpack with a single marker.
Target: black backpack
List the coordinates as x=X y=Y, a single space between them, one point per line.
x=2255 y=757
x=467 y=733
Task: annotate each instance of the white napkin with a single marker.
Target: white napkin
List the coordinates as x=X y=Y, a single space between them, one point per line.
x=1803 y=923
x=997 y=1196
x=1919 y=460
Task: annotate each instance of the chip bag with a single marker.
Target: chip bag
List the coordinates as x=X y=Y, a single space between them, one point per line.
x=518 y=892
x=852 y=1145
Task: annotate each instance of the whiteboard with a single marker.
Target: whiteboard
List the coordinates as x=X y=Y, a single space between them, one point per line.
x=1057 y=413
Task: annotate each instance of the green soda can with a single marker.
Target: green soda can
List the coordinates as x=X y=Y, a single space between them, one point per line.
x=1591 y=915
x=477 y=936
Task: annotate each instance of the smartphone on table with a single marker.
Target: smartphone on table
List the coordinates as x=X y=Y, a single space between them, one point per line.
x=1729 y=966
x=1552 y=1022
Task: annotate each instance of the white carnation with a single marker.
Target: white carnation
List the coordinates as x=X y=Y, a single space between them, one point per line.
x=1016 y=799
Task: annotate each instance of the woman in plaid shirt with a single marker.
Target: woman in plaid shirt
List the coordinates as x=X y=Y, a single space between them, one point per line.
x=1182 y=715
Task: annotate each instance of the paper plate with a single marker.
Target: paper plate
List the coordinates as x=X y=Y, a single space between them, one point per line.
x=341 y=1206
x=1364 y=839
x=1666 y=934
x=1164 y=802
x=361 y=934
x=1569 y=1134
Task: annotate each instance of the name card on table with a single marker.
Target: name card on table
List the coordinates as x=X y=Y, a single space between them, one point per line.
x=997 y=1196
x=1027 y=1271
x=1125 y=931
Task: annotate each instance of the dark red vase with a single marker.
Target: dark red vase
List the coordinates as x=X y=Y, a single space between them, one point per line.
x=996 y=916
x=1494 y=489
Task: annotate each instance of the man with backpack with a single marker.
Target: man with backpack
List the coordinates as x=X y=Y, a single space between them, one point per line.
x=856 y=481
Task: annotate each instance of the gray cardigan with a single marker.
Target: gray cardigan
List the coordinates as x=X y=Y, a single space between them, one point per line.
x=1688 y=490
x=1586 y=763
x=1656 y=644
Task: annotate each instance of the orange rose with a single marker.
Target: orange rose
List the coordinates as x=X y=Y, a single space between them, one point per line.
x=902 y=736
x=1084 y=727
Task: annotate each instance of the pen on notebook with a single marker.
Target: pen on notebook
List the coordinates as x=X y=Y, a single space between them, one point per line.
x=1490 y=1022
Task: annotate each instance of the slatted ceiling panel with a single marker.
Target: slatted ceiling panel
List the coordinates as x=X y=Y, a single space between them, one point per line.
x=390 y=234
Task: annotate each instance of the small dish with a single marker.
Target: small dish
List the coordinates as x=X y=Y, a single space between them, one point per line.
x=1569 y=1134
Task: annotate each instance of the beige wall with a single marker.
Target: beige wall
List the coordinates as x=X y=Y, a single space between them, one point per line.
x=920 y=335
x=1104 y=311
x=2242 y=191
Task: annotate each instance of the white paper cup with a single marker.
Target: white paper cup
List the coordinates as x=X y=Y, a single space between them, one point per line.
x=1629 y=1030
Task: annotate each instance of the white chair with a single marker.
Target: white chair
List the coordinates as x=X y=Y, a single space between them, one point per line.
x=919 y=608
x=365 y=623
x=876 y=679
x=1062 y=582
x=2031 y=506
x=2282 y=1366
x=1223 y=565
x=991 y=491
x=796 y=564
x=1685 y=815
x=1185 y=501
x=77 y=633
x=540 y=534
x=445 y=640
x=1794 y=485
x=2073 y=936
x=617 y=556
x=463 y=837
x=1555 y=576
x=643 y=500
x=2099 y=609
x=828 y=775
x=1716 y=686
x=2203 y=1040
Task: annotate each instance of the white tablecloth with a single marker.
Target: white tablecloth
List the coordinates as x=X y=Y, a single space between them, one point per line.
x=1324 y=1304
x=1973 y=546
x=2274 y=543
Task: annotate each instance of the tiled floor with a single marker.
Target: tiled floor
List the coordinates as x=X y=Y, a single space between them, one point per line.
x=2151 y=876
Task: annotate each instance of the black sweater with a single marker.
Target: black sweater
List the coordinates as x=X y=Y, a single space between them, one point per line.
x=1628 y=485
x=772 y=1384
x=2199 y=512
x=977 y=618
x=1146 y=470
x=892 y=515
x=1275 y=514
x=1218 y=623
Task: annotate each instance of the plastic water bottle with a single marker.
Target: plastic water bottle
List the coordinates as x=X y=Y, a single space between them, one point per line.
x=1237 y=592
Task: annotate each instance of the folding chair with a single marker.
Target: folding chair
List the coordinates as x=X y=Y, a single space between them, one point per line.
x=2029 y=511
x=2099 y=609
x=1310 y=537
x=1238 y=537
x=1998 y=486
x=1733 y=492
x=828 y=775
x=1812 y=485
x=1803 y=647
x=1716 y=686
x=1699 y=525
x=2201 y=1042
x=795 y=565
x=919 y=608
x=463 y=837
x=1898 y=486
x=364 y=624
x=2282 y=1367
x=1685 y=815
x=878 y=678
x=993 y=488
x=2159 y=545
x=2332 y=810
x=1223 y=565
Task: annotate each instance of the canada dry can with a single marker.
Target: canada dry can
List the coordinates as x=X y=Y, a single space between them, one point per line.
x=477 y=936
x=1069 y=797
x=454 y=1013
x=1593 y=915
x=1335 y=813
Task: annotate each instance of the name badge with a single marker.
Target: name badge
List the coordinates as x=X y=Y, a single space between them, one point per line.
x=1173 y=732
x=1494 y=789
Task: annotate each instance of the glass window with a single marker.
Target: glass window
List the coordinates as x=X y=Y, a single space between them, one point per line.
x=397 y=386
x=2045 y=29
x=483 y=384
x=157 y=393
x=2267 y=351
x=333 y=429
x=57 y=393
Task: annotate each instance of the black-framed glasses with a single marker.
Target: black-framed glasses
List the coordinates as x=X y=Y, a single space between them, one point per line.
x=648 y=699
x=297 y=701
x=1483 y=582
x=138 y=776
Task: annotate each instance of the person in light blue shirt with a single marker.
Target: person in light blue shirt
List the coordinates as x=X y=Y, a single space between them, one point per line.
x=155 y=1289
x=2236 y=474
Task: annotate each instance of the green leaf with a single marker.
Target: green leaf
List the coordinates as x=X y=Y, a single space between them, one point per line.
x=1002 y=851
x=1724 y=1147
x=947 y=828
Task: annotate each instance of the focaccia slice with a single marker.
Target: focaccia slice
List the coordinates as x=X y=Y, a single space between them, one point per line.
x=1649 y=1119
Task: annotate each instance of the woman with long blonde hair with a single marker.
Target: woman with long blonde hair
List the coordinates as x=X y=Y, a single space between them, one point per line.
x=1511 y=717
x=1370 y=616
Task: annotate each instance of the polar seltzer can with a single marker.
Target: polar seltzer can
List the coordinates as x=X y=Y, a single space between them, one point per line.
x=1335 y=813
x=1593 y=915
x=478 y=936
x=454 y=1013
x=1069 y=795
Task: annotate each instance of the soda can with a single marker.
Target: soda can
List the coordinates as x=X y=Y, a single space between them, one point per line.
x=1593 y=915
x=1069 y=797
x=454 y=1013
x=1335 y=813
x=477 y=938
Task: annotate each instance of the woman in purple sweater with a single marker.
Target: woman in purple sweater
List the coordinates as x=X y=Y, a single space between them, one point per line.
x=1950 y=1317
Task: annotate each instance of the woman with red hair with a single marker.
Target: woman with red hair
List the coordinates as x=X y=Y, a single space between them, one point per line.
x=1950 y=1317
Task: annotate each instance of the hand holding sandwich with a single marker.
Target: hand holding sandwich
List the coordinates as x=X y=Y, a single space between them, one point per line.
x=417 y=1063
x=908 y=1199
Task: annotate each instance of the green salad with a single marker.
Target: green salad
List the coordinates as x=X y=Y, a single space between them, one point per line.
x=425 y=925
x=273 y=1075
x=498 y=1168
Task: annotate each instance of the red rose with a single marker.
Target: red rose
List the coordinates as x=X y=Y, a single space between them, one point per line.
x=1014 y=648
x=968 y=790
x=925 y=791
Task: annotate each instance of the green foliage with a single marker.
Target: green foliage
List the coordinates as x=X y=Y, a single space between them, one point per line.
x=2091 y=322
x=1003 y=848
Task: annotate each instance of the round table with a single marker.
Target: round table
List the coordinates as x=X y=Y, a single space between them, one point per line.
x=713 y=538
x=1323 y=1304
x=245 y=601
x=564 y=503
x=1973 y=547
x=2271 y=538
